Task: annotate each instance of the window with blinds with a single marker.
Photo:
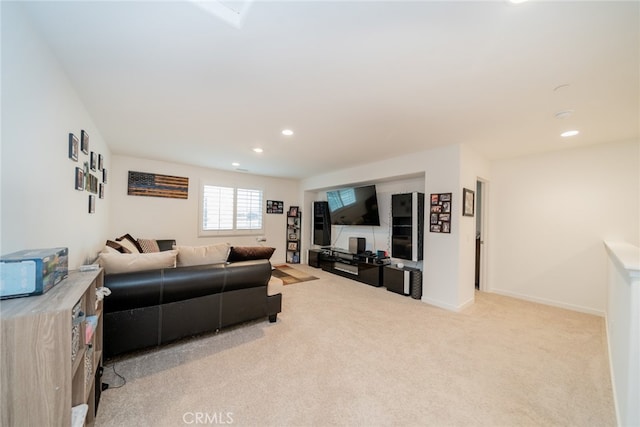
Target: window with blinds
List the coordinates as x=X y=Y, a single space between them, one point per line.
x=228 y=209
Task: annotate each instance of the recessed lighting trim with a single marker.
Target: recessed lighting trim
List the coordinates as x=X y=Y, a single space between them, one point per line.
x=258 y=150
x=287 y=132
x=236 y=164
x=569 y=133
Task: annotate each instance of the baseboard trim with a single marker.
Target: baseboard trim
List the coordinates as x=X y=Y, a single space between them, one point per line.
x=552 y=303
x=446 y=306
x=611 y=372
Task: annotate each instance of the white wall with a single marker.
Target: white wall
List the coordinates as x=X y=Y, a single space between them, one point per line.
x=40 y=206
x=165 y=218
x=549 y=215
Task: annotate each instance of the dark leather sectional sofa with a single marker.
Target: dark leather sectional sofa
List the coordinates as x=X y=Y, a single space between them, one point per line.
x=151 y=308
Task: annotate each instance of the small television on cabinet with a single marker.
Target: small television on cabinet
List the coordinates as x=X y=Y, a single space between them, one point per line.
x=354 y=206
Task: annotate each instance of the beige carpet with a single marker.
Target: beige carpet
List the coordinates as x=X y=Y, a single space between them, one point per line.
x=347 y=354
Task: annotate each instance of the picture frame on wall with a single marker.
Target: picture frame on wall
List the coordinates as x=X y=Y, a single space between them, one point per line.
x=293 y=211
x=440 y=213
x=101 y=191
x=73 y=147
x=275 y=207
x=94 y=161
x=104 y=176
x=100 y=162
x=84 y=141
x=468 y=202
x=79 y=179
x=92 y=203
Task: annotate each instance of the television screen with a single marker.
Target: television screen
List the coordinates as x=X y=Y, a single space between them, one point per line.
x=354 y=206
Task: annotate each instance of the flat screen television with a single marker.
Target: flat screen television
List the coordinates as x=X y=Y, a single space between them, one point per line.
x=354 y=206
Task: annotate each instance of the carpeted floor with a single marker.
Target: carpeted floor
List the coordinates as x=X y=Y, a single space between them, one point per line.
x=346 y=354
x=290 y=275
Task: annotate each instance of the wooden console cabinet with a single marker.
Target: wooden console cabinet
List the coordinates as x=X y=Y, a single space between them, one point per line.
x=47 y=365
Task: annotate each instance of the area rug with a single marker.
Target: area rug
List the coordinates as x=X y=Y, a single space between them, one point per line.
x=290 y=275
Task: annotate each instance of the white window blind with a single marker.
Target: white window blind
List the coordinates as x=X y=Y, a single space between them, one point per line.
x=217 y=213
x=249 y=209
x=231 y=209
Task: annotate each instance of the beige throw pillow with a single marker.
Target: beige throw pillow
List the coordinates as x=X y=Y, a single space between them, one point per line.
x=127 y=263
x=130 y=243
x=148 y=245
x=201 y=255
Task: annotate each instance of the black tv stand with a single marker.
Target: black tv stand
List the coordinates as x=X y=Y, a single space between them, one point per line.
x=364 y=268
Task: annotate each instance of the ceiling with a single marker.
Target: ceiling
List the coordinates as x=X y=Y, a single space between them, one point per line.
x=356 y=81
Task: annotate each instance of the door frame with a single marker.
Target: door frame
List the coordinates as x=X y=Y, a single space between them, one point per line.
x=483 y=209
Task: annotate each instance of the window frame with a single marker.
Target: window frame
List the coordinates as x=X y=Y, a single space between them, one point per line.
x=234 y=231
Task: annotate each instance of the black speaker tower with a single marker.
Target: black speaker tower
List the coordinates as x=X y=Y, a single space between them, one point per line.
x=407 y=225
x=321 y=224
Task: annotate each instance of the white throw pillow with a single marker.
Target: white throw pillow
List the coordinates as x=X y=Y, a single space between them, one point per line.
x=201 y=255
x=126 y=263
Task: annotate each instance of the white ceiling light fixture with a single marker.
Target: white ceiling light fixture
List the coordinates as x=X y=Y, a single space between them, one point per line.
x=569 y=133
x=517 y=1
x=236 y=164
x=287 y=132
x=258 y=150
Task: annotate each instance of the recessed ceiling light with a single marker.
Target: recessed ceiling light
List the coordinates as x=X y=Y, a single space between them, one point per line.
x=517 y=1
x=563 y=114
x=561 y=87
x=287 y=132
x=258 y=150
x=569 y=133
x=236 y=164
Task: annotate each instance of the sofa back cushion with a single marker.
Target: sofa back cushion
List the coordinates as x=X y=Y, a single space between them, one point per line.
x=124 y=263
x=202 y=255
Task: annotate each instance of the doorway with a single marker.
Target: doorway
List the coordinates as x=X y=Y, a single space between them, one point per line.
x=480 y=267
